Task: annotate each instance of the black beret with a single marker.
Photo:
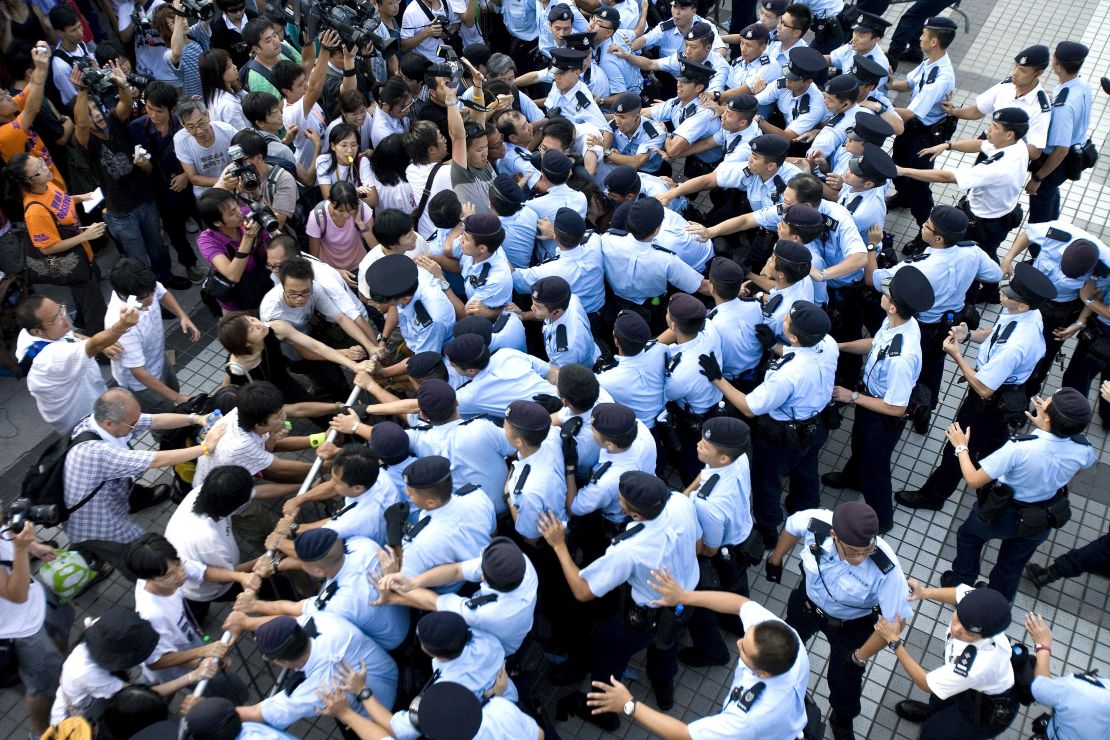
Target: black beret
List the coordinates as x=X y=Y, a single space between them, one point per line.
x=950 y=220
x=685 y=307
x=1079 y=258
x=465 y=349
x=623 y=180
x=845 y=84
x=555 y=162
x=391 y=276
x=941 y=23
x=809 y=318
x=580 y=41
x=569 y=222
x=314 y=544
x=871 y=128
x=912 y=291
x=442 y=632
x=422 y=364
x=388 y=441
x=699 y=30
x=1034 y=56
x=1072 y=405
x=1071 y=51
x=447 y=711
x=1030 y=285
x=770 y=145
x=276 y=634
x=436 y=399
x=483 y=224
x=620 y=216
x=646 y=215
x=503 y=563
x=873 y=163
x=743 y=103
x=792 y=252
x=567 y=58
x=726 y=271
x=478 y=325
x=726 y=431
x=756 y=32
x=644 y=491
x=560 y=12
x=984 y=612
x=1010 y=115
x=507 y=188
x=867 y=70
x=684 y=3
x=631 y=326
x=608 y=13
x=856 y=524
x=613 y=419
x=627 y=102
x=528 y=415
x=550 y=290
x=870 y=23
x=805 y=63
x=426 y=472
x=802 y=215
x=694 y=72
x=210 y=715
x=775 y=6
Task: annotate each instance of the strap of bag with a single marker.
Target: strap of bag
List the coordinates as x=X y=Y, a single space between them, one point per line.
x=80 y=438
x=427 y=194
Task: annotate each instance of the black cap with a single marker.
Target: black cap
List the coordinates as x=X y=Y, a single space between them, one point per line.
x=508 y=189
x=528 y=415
x=769 y=145
x=911 y=292
x=121 y=639
x=483 y=225
x=503 y=564
x=644 y=491
x=619 y=219
x=581 y=41
x=646 y=215
x=569 y=222
x=941 y=23
x=775 y=6
x=442 y=632
x=743 y=103
x=1079 y=258
x=685 y=307
x=567 y=58
x=391 y=276
x=211 y=715
x=724 y=270
x=808 y=318
x=1071 y=51
x=1010 y=116
x=871 y=128
x=726 y=431
x=627 y=102
x=870 y=23
x=479 y=325
x=684 y=3
x=984 y=612
x=874 y=163
x=1072 y=405
x=950 y=220
x=550 y=290
x=632 y=327
x=855 y=524
x=426 y=472
x=867 y=70
x=693 y=72
x=422 y=364
x=1029 y=285
x=699 y=30
x=610 y=14
x=613 y=419
x=447 y=711
x=800 y=214
x=555 y=162
x=792 y=252
x=1034 y=56
x=275 y=636
x=560 y=12
x=805 y=63
x=845 y=84
x=756 y=32
x=465 y=349
x=623 y=180
x=389 y=442
x=314 y=544
x=436 y=399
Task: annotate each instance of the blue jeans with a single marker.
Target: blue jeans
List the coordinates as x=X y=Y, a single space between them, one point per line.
x=138 y=233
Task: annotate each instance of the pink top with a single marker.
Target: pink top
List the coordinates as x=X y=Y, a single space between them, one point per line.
x=340 y=246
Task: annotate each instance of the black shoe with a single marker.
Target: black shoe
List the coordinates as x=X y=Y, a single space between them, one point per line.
x=912 y=710
x=837 y=479
x=177 y=282
x=885 y=527
x=948 y=579
x=841 y=727
x=693 y=657
x=143 y=497
x=664 y=694
x=918 y=500
x=1106 y=85
x=921 y=422
x=1041 y=576
x=566 y=674
x=896 y=201
x=770 y=537
x=576 y=704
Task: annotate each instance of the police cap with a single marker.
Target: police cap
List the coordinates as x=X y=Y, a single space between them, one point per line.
x=314 y=544
x=699 y=30
x=726 y=431
x=806 y=63
x=1010 y=116
x=391 y=276
x=870 y=23
x=684 y=3
x=792 y=252
x=483 y=225
x=756 y=32
x=871 y=128
x=551 y=290
x=465 y=349
x=508 y=189
x=610 y=14
x=436 y=399
x=685 y=307
x=567 y=58
x=623 y=180
x=528 y=415
x=910 y=290
x=1072 y=405
x=632 y=327
x=581 y=41
x=569 y=222
x=800 y=214
x=559 y=12
x=690 y=71
x=949 y=220
x=422 y=364
x=726 y=271
x=447 y=711
x=426 y=472
x=778 y=7
x=479 y=325
x=627 y=102
x=555 y=162
x=645 y=216
x=984 y=612
x=389 y=442
x=644 y=491
x=1035 y=56
x=1029 y=285
x=941 y=23
x=277 y=636
x=442 y=632
x=810 y=319
x=855 y=524
x=845 y=84
x=867 y=70
x=770 y=145
x=874 y=163
x=209 y=716
x=743 y=103
x=613 y=419
x=503 y=564
x=620 y=216
x=1079 y=258
x=1071 y=51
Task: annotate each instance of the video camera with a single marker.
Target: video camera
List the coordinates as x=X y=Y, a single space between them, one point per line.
x=98 y=82
x=450 y=62
x=199 y=10
x=23 y=510
x=355 y=22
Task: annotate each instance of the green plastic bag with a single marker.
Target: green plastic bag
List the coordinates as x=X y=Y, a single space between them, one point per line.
x=66 y=575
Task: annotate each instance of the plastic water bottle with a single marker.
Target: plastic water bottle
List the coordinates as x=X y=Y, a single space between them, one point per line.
x=215 y=416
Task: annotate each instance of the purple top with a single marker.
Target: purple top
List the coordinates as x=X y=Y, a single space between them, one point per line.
x=211 y=243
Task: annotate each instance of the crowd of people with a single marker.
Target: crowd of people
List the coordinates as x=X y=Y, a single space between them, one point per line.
x=531 y=355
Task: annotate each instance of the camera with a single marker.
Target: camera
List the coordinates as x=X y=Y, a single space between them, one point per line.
x=98 y=82
x=450 y=30
x=138 y=81
x=356 y=23
x=244 y=170
x=199 y=10
x=22 y=510
x=264 y=216
x=451 y=62
x=145 y=35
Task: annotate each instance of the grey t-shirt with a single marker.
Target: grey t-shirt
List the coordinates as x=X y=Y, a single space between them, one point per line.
x=207 y=161
x=472 y=185
x=279 y=189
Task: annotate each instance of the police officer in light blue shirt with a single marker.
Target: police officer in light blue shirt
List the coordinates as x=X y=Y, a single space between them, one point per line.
x=636 y=378
x=625 y=185
x=763 y=177
x=868 y=128
x=738 y=128
x=791 y=266
x=580 y=392
x=366 y=493
x=578 y=261
x=494 y=380
x=520 y=18
x=569 y=96
x=701 y=52
x=1080 y=702
x=753 y=62
x=1036 y=467
x=867 y=32
x=566 y=328
x=670 y=36
x=864 y=189
x=796 y=95
x=687 y=120
x=606 y=24
x=734 y=319
x=549 y=13
x=425 y=315
x=537 y=480
x=555 y=168
x=630 y=139
x=626 y=444
x=518 y=220
x=517 y=131
x=487 y=276
x=840 y=102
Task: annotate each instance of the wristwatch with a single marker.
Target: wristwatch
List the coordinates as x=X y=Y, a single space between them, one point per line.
x=444 y=285
x=363 y=695
x=717 y=96
x=607 y=153
x=872 y=247
x=1088 y=301
x=629 y=707
x=855 y=395
x=1035 y=177
x=895 y=644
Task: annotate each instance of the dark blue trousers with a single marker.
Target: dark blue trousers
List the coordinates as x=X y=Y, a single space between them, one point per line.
x=874 y=437
x=1013 y=554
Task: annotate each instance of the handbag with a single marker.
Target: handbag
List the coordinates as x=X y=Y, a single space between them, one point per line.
x=71 y=267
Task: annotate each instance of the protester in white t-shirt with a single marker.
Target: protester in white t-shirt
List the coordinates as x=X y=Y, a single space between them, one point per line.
x=201 y=145
x=389 y=186
x=427 y=148
x=301 y=93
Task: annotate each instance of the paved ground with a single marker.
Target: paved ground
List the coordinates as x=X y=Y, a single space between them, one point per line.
x=925 y=542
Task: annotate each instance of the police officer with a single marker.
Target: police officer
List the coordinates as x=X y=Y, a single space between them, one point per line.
x=841 y=104
x=663 y=533
x=930 y=84
x=1037 y=468
x=579 y=393
x=997 y=397
x=698 y=48
x=214 y=718
x=790 y=264
x=494 y=380
x=951 y=266
x=424 y=314
x=578 y=261
x=636 y=377
x=867 y=129
x=473 y=658
x=536 y=481
x=850 y=576
x=624 y=184
x=566 y=328
x=788 y=403
x=606 y=24
x=734 y=319
x=884 y=392
x=971 y=694
x=507 y=200
x=555 y=168
x=866 y=33
x=630 y=139
x=796 y=96
x=670 y=35
x=873 y=93
x=688 y=121
x=1080 y=702
x=593 y=75
x=560 y=13
x=754 y=62
x=738 y=128
x=864 y=185
x=1071 y=115
x=1093 y=557
x=569 y=96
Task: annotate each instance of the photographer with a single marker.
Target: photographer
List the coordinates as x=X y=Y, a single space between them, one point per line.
x=18 y=113
x=32 y=619
x=183 y=54
x=425 y=26
x=201 y=145
x=67 y=26
x=150 y=49
x=227 y=30
x=234 y=247
x=122 y=172
x=271 y=185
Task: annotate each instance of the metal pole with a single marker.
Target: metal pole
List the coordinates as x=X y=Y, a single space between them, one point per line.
x=309 y=480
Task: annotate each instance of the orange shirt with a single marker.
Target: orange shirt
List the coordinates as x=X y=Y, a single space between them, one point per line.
x=40 y=226
x=14 y=138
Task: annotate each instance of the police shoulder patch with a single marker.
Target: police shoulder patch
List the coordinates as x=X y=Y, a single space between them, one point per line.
x=918 y=257
x=422 y=316
x=964 y=661
x=661 y=249
x=1022 y=437
x=882 y=561
x=650 y=129
x=1061 y=98
x=1042 y=98
x=745 y=698
x=667 y=25
x=468 y=488
x=477 y=601
x=1057 y=234
x=561 y=343
x=765 y=60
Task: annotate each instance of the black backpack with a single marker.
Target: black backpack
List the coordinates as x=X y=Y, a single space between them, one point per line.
x=45 y=483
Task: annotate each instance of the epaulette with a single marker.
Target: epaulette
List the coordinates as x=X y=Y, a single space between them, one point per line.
x=745 y=698
x=667 y=24
x=421 y=427
x=1006 y=81
x=831 y=224
x=673 y=363
x=600 y=471
x=708 y=486
x=477 y=601
x=661 y=249
x=803 y=106
x=1057 y=235
x=1061 y=97
x=552 y=258
x=932 y=75
x=631 y=531
x=583 y=99
x=835 y=119
x=777 y=364
x=502 y=320
x=894 y=349
x=561 y=344
x=1042 y=98
x=650 y=129
x=468 y=488
x=918 y=257
x=613 y=125
x=772 y=305
x=881 y=561
x=967 y=243
x=854 y=204
x=765 y=60
x=965 y=661
x=422 y=316
x=1022 y=437
x=1081 y=439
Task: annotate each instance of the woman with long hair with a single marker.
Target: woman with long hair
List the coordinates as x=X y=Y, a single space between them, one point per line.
x=392 y=115
x=342 y=162
x=389 y=188
x=339 y=229
x=221 y=89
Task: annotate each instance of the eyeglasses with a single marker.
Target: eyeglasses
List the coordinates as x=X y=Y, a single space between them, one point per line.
x=784 y=24
x=61 y=317
x=198 y=126
x=298 y=293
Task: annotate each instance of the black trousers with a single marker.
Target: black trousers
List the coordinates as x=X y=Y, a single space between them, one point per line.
x=175 y=209
x=954 y=718
x=828 y=34
x=988 y=233
x=846 y=309
x=705 y=624
x=1044 y=205
x=1014 y=550
x=1055 y=316
x=845 y=677
x=874 y=437
x=932 y=358
x=917 y=194
x=1083 y=369
x=90 y=304
x=912 y=21
x=614 y=643
x=773 y=462
x=990 y=431
x=1092 y=557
